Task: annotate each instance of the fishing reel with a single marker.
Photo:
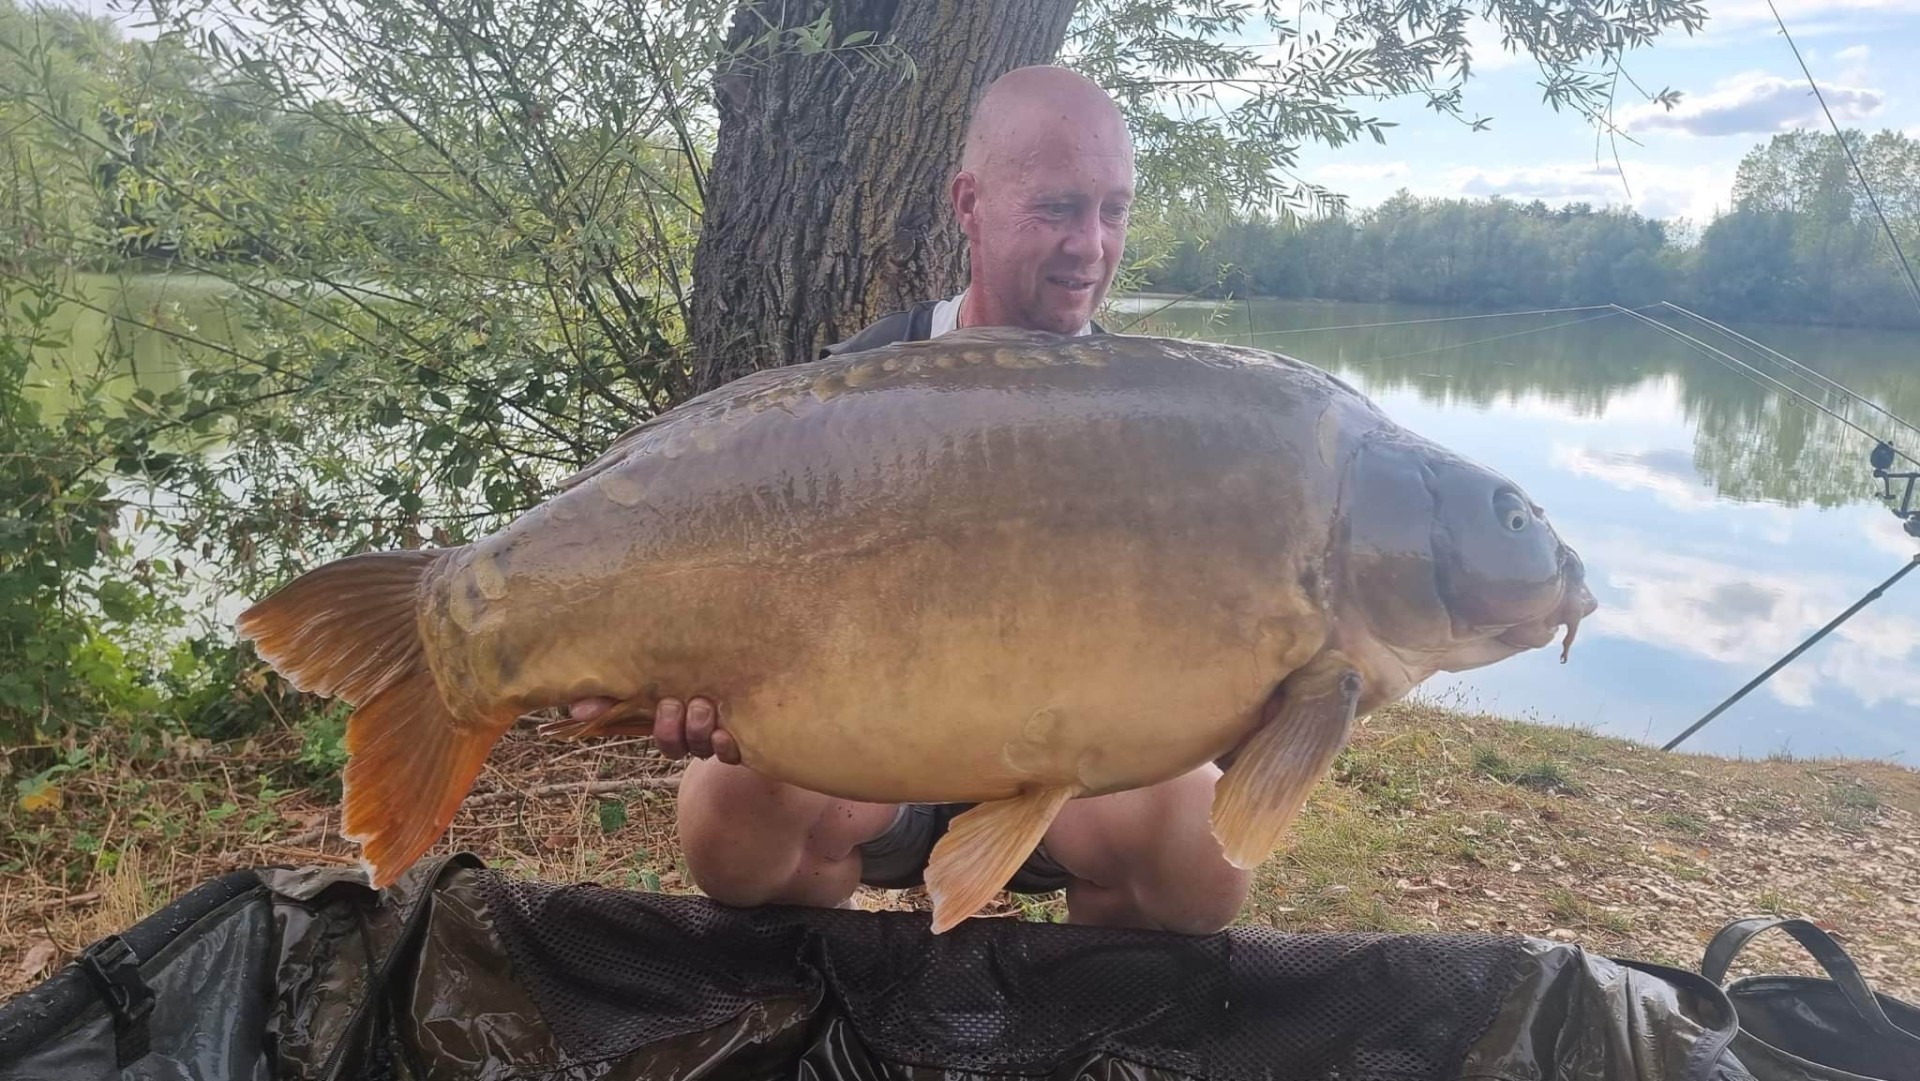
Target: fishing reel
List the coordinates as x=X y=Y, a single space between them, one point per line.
x=1882 y=461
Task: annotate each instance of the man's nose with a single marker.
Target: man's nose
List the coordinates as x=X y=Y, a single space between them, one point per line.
x=1083 y=237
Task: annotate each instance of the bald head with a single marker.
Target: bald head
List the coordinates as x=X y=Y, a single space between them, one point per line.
x=1029 y=108
x=1043 y=192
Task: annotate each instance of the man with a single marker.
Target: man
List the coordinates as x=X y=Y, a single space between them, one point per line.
x=1042 y=194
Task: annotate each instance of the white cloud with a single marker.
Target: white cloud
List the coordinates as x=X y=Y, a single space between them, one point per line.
x=1346 y=172
x=1668 y=474
x=1717 y=610
x=1754 y=102
x=1655 y=400
x=1855 y=60
x=1805 y=18
x=1887 y=534
x=1483 y=44
x=1658 y=189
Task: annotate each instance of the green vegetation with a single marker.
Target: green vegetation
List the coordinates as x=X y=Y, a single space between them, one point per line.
x=420 y=261
x=1801 y=244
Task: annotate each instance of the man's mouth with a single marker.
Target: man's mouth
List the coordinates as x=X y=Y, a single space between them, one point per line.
x=1068 y=281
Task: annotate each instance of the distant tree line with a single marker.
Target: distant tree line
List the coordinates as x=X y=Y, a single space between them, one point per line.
x=1802 y=244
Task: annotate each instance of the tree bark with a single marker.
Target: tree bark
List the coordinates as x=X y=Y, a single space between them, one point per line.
x=826 y=206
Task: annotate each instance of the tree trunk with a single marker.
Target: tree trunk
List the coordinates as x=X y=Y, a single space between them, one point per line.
x=826 y=206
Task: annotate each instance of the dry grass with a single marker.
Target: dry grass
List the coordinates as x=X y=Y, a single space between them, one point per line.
x=1433 y=820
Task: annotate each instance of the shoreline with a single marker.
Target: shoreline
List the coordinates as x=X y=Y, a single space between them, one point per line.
x=1433 y=820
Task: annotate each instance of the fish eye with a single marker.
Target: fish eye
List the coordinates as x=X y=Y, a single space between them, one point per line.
x=1511 y=510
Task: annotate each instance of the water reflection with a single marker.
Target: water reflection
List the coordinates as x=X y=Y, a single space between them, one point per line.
x=1749 y=442
x=1721 y=522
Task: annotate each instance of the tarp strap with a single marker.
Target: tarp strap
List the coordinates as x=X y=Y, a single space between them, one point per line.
x=115 y=970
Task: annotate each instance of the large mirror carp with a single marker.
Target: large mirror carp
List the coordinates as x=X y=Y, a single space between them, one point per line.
x=978 y=569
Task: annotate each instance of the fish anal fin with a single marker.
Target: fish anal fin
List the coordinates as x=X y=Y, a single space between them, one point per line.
x=627 y=717
x=1271 y=774
x=984 y=846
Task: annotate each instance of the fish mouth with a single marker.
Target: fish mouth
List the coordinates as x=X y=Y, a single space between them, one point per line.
x=1576 y=603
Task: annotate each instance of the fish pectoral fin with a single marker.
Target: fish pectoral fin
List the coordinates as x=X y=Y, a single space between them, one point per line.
x=1262 y=791
x=627 y=717
x=984 y=846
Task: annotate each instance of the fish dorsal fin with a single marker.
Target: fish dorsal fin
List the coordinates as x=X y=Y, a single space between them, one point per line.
x=997 y=335
x=704 y=408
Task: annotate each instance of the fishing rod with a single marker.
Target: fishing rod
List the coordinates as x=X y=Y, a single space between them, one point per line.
x=1880 y=459
x=1795 y=365
x=1797 y=395
x=1872 y=595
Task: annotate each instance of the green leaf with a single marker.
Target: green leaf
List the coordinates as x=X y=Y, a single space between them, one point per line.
x=613 y=815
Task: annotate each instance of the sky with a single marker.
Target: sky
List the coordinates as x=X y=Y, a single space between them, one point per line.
x=1739 y=81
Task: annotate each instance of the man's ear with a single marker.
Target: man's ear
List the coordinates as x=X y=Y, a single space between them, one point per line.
x=965 y=193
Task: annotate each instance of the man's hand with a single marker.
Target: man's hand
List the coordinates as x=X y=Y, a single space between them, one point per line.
x=679 y=728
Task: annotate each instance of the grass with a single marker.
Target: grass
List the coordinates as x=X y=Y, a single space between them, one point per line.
x=1431 y=820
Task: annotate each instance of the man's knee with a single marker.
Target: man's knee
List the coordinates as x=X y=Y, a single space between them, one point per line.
x=1148 y=857
x=749 y=840
x=730 y=841
x=1200 y=891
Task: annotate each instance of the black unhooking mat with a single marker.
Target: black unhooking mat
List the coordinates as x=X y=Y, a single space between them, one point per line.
x=459 y=971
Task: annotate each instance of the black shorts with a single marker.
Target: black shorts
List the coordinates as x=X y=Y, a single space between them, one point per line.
x=897 y=859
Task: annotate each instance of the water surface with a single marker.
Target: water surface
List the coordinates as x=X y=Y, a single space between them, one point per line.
x=1721 y=521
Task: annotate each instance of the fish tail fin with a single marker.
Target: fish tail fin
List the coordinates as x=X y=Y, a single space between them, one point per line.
x=349 y=630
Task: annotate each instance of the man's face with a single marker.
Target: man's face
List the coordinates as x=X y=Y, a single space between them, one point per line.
x=1047 y=224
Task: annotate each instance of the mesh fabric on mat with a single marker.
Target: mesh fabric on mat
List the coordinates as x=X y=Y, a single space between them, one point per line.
x=614 y=970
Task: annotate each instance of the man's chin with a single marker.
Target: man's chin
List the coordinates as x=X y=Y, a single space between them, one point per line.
x=1066 y=320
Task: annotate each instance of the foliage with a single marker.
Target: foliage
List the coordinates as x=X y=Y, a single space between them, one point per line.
x=71 y=603
x=1437 y=251
x=1801 y=245
x=453 y=237
x=1221 y=94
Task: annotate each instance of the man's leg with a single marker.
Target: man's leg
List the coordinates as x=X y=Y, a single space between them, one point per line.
x=1147 y=858
x=753 y=841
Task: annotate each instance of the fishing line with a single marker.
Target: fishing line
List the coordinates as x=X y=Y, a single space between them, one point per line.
x=1500 y=337
x=1842 y=388
x=1756 y=373
x=1435 y=319
x=1913 y=284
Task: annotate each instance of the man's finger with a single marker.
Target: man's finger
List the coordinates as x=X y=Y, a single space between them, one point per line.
x=725 y=749
x=588 y=708
x=701 y=717
x=669 y=719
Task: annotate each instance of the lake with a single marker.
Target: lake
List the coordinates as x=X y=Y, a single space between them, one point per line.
x=1720 y=521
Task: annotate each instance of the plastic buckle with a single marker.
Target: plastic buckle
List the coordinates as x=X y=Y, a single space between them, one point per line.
x=115 y=970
